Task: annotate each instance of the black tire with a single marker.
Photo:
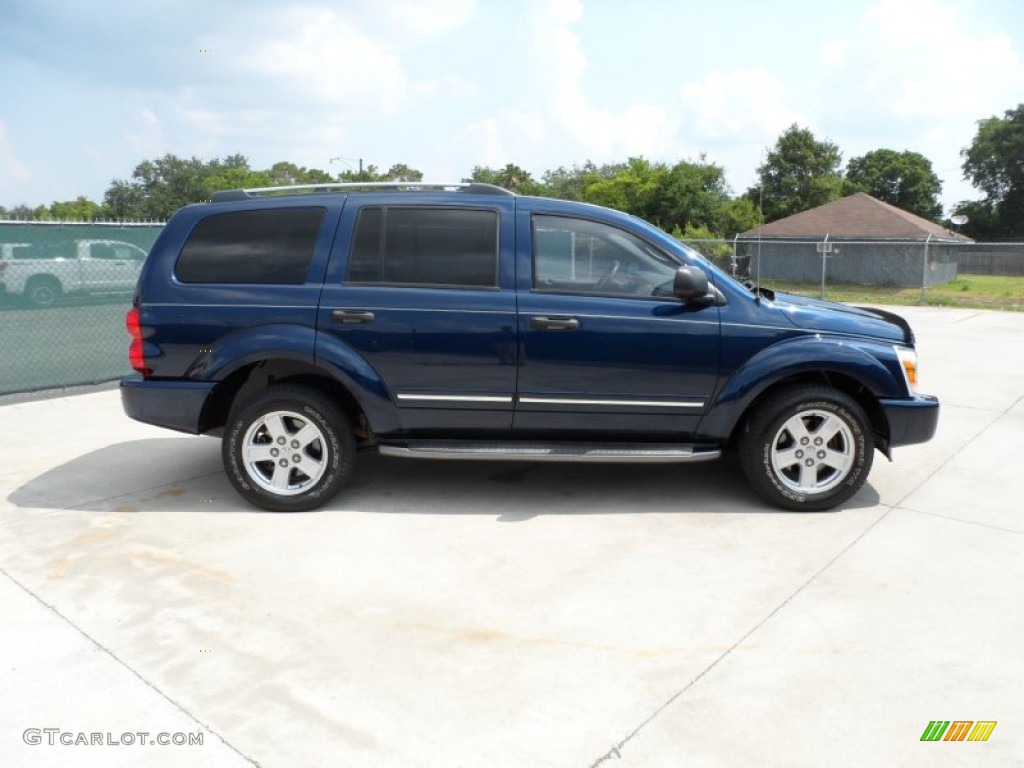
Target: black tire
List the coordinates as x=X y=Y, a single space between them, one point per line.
x=807 y=448
x=42 y=292
x=304 y=471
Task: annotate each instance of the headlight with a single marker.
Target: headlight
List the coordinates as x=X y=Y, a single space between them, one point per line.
x=908 y=361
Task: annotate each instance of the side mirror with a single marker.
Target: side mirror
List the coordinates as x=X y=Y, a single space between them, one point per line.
x=691 y=285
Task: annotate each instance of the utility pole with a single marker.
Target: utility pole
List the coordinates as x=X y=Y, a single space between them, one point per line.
x=346 y=162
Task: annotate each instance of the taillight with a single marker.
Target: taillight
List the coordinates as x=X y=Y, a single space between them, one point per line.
x=135 y=354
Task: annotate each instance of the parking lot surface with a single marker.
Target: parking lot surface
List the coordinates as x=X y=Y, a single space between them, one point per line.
x=485 y=614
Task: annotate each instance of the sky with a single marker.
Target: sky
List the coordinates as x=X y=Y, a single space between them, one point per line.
x=91 y=88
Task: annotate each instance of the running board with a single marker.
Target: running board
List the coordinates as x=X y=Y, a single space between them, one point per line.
x=609 y=453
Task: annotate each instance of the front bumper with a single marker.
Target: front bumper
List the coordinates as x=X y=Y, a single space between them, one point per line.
x=175 y=405
x=911 y=420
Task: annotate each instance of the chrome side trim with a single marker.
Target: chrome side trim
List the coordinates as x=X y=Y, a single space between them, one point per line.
x=631 y=403
x=457 y=398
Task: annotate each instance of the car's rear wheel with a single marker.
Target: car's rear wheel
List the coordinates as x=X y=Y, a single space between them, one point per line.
x=807 y=448
x=42 y=292
x=288 y=449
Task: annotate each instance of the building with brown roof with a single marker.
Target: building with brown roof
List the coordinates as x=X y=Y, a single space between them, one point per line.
x=856 y=239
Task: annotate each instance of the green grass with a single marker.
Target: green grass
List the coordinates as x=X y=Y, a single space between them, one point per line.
x=973 y=291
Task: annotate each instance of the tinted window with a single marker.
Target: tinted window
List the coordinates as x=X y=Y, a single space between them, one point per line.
x=425 y=246
x=580 y=256
x=270 y=246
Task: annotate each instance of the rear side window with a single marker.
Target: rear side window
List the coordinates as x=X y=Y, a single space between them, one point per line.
x=425 y=246
x=268 y=246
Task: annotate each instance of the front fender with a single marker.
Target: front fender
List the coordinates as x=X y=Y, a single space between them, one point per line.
x=861 y=361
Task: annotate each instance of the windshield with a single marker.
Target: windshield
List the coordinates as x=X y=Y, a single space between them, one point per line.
x=680 y=249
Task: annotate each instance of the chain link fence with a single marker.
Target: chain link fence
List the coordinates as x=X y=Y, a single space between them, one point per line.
x=64 y=291
x=65 y=287
x=932 y=271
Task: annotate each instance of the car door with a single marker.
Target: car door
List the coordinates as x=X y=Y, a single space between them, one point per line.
x=110 y=266
x=606 y=351
x=424 y=293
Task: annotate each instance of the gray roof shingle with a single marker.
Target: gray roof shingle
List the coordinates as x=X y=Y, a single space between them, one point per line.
x=857 y=216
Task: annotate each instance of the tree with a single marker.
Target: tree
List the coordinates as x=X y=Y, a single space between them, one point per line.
x=994 y=163
x=402 y=172
x=21 y=212
x=159 y=187
x=283 y=174
x=510 y=177
x=235 y=177
x=799 y=173
x=79 y=209
x=633 y=187
x=693 y=196
x=739 y=215
x=566 y=183
x=397 y=172
x=904 y=179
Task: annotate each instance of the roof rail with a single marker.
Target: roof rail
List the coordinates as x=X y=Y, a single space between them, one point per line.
x=473 y=188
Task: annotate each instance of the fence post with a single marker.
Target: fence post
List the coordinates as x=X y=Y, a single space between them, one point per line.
x=924 y=269
x=825 y=248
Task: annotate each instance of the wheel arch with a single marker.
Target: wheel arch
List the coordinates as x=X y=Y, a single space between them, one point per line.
x=42 y=278
x=257 y=376
x=859 y=368
x=838 y=380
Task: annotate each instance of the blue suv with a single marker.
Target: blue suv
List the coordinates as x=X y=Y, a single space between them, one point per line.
x=305 y=324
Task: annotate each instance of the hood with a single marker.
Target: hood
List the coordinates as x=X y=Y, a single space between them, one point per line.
x=818 y=315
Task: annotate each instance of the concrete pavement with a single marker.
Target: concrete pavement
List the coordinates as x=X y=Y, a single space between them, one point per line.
x=477 y=614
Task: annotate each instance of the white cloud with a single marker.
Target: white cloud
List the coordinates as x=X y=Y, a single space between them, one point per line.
x=924 y=57
x=559 y=63
x=412 y=20
x=834 y=52
x=745 y=104
x=551 y=120
x=11 y=166
x=326 y=57
x=145 y=137
x=484 y=137
x=924 y=70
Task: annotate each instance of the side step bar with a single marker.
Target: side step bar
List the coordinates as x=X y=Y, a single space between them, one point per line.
x=609 y=453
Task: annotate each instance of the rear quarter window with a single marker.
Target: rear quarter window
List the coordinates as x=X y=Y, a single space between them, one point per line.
x=265 y=246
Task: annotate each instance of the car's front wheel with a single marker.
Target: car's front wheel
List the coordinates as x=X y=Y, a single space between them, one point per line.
x=288 y=449
x=807 y=448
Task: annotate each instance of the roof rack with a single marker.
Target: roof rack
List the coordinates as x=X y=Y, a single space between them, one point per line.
x=472 y=188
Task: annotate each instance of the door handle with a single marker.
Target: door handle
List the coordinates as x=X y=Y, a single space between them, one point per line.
x=352 y=316
x=541 y=323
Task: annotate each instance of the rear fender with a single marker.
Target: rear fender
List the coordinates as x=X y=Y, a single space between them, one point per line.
x=338 y=362
x=251 y=345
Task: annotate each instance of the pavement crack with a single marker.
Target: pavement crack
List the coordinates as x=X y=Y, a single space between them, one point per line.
x=955 y=519
x=960 y=450
x=132 y=671
x=616 y=749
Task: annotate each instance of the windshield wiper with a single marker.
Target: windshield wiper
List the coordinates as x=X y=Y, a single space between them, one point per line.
x=759 y=290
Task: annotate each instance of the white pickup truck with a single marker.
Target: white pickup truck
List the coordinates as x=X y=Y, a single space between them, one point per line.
x=40 y=278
